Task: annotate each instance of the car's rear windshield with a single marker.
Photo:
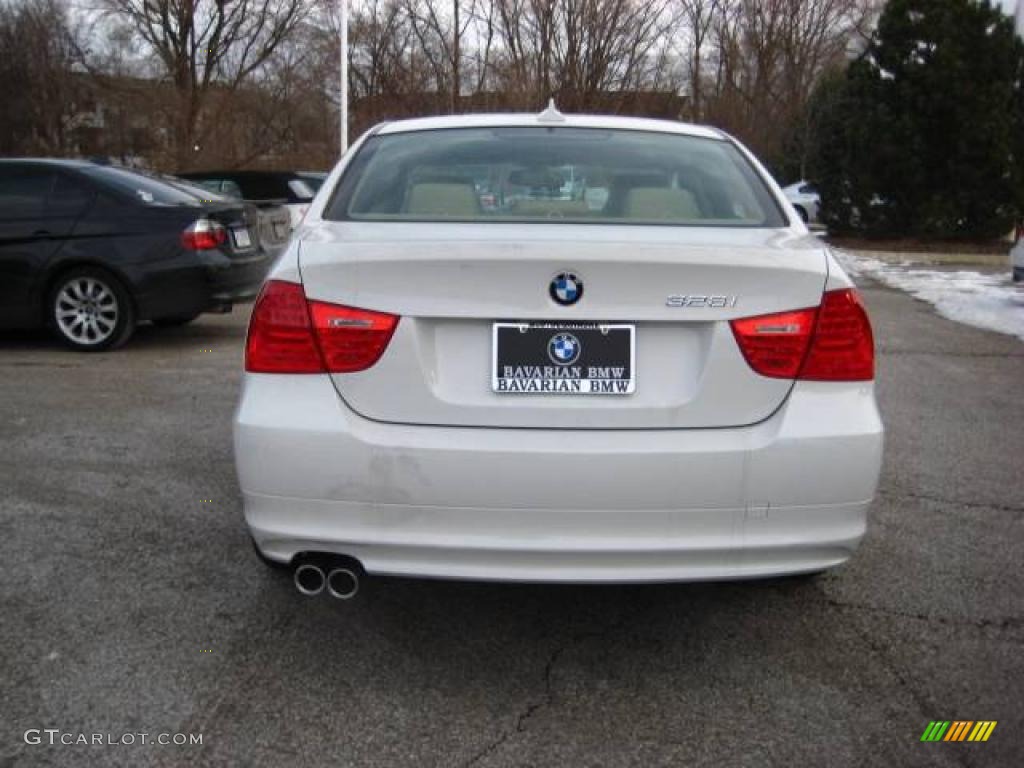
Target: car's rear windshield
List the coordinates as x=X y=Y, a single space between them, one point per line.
x=569 y=175
x=146 y=189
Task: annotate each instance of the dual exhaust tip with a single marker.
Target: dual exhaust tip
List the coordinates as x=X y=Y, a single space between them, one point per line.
x=340 y=581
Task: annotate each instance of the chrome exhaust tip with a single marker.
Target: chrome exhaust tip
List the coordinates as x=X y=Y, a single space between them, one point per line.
x=342 y=583
x=310 y=579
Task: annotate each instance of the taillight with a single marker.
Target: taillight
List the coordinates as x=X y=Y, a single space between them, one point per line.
x=204 y=235
x=280 y=334
x=832 y=342
x=350 y=339
x=288 y=334
x=844 y=347
x=775 y=345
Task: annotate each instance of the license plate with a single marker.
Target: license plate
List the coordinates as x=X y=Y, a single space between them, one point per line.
x=563 y=358
x=242 y=239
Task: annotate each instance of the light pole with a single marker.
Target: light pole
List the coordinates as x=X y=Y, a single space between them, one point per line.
x=344 y=76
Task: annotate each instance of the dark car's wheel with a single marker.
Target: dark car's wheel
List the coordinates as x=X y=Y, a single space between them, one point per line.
x=174 y=320
x=91 y=310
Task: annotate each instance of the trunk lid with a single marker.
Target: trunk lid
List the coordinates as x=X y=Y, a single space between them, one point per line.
x=451 y=282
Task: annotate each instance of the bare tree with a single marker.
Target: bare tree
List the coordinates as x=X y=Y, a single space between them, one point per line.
x=752 y=64
x=440 y=27
x=747 y=65
x=207 y=44
x=582 y=50
x=698 y=17
x=36 y=58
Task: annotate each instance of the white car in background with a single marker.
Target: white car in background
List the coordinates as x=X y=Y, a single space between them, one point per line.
x=805 y=199
x=675 y=384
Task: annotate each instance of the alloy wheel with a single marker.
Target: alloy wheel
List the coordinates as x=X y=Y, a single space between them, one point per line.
x=86 y=310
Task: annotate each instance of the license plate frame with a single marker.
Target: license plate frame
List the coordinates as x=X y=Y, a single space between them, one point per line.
x=544 y=364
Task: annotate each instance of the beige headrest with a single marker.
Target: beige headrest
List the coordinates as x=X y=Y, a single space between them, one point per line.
x=661 y=203
x=442 y=199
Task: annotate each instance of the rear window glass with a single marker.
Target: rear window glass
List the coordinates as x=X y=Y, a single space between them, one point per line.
x=553 y=174
x=314 y=179
x=69 y=197
x=228 y=188
x=23 y=191
x=198 y=189
x=145 y=189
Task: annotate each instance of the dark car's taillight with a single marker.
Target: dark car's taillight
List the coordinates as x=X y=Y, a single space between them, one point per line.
x=204 y=235
x=832 y=342
x=289 y=334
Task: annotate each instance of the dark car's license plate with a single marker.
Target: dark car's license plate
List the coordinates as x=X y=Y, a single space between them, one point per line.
x=241 y=236
x=563 y=358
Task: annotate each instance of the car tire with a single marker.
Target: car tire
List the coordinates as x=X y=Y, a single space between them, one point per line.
x=173 y=321
x=803 y=213
x=90 y=310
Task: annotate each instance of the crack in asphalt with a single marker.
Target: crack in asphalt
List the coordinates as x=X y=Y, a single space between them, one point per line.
x=924 y=706
x=547 y=699
x=1005 y=623
x=956 y=502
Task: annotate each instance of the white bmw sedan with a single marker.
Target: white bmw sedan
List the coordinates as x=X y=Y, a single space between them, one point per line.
x=555 y=348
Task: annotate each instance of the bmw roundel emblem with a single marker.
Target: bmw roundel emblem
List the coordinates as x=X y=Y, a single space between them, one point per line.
x=566 y=289
x=564 y=349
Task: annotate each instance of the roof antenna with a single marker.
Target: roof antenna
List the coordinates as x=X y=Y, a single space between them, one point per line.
x=551 y=114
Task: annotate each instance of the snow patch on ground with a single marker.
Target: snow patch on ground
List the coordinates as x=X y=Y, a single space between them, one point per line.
x=988 y=301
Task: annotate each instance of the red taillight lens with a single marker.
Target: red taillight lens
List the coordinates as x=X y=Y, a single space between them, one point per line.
x=204 y=235
x=288 y=334
x=280 y=334
x=832 y=342
x=843 y=347
x=351 y=339
x=775 y=345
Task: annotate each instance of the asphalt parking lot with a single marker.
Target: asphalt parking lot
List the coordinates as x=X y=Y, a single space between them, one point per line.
x=132 y=601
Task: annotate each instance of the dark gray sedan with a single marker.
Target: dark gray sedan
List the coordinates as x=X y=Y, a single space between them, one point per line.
x=92 y=251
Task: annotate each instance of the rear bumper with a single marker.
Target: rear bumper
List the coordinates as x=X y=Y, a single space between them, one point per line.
x=201 y=282
x=787 y=495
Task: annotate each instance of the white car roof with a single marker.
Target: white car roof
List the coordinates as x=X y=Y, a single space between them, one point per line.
x=549 y=119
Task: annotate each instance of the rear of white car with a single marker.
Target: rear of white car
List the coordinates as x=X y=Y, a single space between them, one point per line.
x=805 y=200
x=557 y=349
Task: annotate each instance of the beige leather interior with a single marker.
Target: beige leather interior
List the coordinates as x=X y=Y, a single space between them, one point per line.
x=661 y=203
x=442 y=199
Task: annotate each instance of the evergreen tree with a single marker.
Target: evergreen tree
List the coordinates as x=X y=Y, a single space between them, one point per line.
x=924 y=136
